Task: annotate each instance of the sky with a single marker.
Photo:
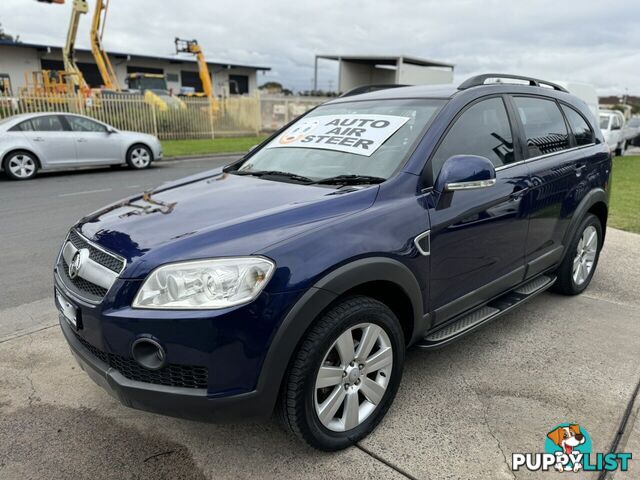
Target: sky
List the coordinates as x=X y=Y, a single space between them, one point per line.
x=596 y=42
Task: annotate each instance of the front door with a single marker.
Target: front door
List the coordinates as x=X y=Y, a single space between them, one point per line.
x=95 y=145
x=478 y=236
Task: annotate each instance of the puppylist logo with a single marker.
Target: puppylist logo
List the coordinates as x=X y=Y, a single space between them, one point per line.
x=568 y=448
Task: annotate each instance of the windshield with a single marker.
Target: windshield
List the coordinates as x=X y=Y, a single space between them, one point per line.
x=604 y=122
x=371 y=138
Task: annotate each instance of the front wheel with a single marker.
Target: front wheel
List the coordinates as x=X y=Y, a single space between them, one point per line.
x=579 y=265
x=139 y=157
x=345 y=374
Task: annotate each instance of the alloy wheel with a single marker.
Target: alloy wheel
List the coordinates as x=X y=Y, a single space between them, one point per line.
x=140 y=157
x=22 y=165
x=585 y=255
x=353 y=377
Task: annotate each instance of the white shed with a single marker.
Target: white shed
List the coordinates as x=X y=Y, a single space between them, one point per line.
x=358 y=70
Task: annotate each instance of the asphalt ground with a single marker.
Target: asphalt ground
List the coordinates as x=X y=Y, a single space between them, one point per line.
x=461 y=411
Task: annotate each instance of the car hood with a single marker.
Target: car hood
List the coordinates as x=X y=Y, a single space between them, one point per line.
x=215 y=214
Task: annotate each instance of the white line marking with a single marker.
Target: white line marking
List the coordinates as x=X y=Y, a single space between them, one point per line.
x=86 y=192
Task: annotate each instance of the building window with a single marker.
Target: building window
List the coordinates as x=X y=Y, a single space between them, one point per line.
x=173 y=77
x=238 y=84
x=191 y=79
x=89 y=71
x=134 y=69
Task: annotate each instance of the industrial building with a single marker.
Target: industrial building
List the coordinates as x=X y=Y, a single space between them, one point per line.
x=358 y=70
x=228 y=78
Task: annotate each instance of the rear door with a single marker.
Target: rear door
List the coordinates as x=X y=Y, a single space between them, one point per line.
x=478 y=236
x=94 y=144
x=50 y=140
x=557 y=166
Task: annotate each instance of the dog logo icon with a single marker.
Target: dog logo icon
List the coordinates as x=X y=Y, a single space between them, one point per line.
x=568 y=438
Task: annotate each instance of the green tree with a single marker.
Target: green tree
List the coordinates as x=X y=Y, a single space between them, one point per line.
x=4 y=35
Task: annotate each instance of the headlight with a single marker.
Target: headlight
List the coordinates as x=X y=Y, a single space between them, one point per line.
x=205 y=284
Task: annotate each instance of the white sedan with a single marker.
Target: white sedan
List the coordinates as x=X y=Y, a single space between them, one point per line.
x=46 y=141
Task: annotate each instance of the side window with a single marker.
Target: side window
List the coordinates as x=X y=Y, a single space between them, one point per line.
x=81 y=124
x=50 y=123
x=483 y=129
x=25 y=126
x=581 y=129
x=543 y=124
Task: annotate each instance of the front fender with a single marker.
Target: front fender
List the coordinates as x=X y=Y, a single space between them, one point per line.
x=318 y=298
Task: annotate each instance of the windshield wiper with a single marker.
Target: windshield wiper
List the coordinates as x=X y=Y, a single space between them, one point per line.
x=274 y=173
x=350 y=180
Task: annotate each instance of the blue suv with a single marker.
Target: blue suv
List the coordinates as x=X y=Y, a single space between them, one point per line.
x=295 y=278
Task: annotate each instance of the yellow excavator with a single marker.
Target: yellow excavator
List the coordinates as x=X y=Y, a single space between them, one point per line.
x=192 y=46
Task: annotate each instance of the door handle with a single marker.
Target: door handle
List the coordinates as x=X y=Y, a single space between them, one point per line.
x=82 y=140
x=38 y=139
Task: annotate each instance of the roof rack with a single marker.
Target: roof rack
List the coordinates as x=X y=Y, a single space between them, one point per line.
x=534 y=82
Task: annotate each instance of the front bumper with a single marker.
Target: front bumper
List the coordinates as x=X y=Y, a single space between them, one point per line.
x=167 y=400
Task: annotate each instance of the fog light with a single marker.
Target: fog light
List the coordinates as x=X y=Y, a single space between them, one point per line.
x=149 y=353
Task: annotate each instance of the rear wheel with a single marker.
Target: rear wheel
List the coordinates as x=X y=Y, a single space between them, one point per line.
x=139 y=157
x=577 y=268
x=21 y=165
x=345 y=374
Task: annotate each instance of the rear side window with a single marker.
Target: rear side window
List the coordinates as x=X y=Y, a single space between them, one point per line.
x=25 y=126
x=50 y=123
x=483 y=129
x=581 y=129
x=543 y=124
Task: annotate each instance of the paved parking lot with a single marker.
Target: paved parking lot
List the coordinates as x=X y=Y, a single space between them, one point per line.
x=460 y=413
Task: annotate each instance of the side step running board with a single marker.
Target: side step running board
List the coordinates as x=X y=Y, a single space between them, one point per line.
x=468 y=322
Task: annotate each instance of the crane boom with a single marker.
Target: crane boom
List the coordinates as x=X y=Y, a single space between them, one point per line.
x=80 y=7
x=108 y=74
x=192 y=46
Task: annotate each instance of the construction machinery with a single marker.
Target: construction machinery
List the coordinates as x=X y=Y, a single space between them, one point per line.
x=107 y=72
x=192 y=47
x=154 y=88
x=55 y=82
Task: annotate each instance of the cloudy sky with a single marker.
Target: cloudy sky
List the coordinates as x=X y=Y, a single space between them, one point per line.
x=597 y=42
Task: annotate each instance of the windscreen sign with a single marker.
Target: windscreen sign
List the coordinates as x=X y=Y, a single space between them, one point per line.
x=351 y=133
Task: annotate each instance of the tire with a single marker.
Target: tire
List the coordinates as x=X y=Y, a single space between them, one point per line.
x=569 y=282
x=20 y=165
x=301 y=403
x=621 y=148
x=139 y=157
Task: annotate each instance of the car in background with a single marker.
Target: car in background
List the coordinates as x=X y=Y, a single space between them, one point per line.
x=45 y=141
x=611 y=124
x=631 y=131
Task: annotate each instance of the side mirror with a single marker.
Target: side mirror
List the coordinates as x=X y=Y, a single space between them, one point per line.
x=465 y=172
x=111 y=131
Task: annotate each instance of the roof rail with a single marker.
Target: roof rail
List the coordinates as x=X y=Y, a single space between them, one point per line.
x=371 y=88
x=534 y=82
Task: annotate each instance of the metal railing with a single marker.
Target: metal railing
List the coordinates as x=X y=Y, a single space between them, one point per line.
x=183 y=118
x=180 y=118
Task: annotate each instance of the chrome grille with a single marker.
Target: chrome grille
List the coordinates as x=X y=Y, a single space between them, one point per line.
x=81 y=287
x=103 y=258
